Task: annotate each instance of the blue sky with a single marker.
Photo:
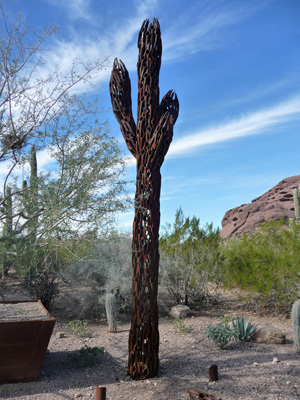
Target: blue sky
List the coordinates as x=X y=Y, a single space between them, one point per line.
x=235 y=68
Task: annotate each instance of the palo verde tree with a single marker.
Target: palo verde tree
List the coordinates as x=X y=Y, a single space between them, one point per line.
x=191 y=260
x=148 y=140
x=63 y=168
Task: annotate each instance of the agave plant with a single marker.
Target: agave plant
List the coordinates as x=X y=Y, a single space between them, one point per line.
x=242 y=330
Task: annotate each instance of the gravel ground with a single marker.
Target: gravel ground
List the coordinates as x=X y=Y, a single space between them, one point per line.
x=247 y=371
x=22 y=311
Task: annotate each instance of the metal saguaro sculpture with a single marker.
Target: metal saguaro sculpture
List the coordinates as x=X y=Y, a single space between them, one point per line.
x=148 y=140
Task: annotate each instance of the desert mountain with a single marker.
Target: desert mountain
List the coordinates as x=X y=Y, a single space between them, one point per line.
x=274 y=204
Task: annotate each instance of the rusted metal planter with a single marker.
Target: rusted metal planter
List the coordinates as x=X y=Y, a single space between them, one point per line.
x=25 y=331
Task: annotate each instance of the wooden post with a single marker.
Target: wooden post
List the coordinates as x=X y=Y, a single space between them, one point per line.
x=100 y=393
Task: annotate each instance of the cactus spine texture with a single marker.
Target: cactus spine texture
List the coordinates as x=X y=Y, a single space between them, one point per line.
x=111 y=312
x=296 y=323
x=296 y=195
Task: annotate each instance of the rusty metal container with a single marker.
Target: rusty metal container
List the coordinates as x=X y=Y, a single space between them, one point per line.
x=25 y=331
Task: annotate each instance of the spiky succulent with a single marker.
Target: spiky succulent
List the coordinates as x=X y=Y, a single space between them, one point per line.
x=243 y=330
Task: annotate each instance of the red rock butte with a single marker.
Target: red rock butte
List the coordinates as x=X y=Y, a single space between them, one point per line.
x=276 y=203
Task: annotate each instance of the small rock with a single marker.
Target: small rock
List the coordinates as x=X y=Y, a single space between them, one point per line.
x=288 y=383
x=255 y=364
x=77 y=395
x=60 y=335
x=275 y=360
x=180 y=311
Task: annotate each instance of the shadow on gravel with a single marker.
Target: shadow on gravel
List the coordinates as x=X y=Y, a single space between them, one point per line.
x=56 y=365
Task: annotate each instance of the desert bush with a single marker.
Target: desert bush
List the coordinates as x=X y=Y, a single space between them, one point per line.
x=79 y=328
x=180 y=326
x=38 y=269
x=266 y=263
x=220 y=334
x=106 y=269
x=191 y=261
x=85 y=357
x=230 y=329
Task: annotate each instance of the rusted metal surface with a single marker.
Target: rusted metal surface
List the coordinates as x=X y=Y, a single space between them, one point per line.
x=197 y=394
x=148 y=140
x=23 y=345
x=213 y=373
x=100 y=393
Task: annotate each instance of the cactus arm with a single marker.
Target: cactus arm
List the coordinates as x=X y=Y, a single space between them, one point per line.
x=120 y=93
x=163 y=134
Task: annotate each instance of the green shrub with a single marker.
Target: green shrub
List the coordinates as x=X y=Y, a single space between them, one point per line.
x=85 y=357
x=190 y=261
x=220 y=334
x=181 y=327
x=242 y=330
x=79 y=328
x=38 y=268
x=266 y=264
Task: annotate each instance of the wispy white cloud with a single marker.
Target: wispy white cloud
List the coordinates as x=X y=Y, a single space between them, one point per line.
x=104 y=44
x=187 y=35
x=44 y=158
x=203 y=27
x=76 y=9
x=252 y=124
x=264 y=90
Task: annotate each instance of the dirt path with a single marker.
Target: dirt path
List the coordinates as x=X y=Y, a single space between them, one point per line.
x=246 y=370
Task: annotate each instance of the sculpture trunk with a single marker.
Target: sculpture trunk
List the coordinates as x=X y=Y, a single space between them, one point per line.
x=148 y=140
x=144 y=335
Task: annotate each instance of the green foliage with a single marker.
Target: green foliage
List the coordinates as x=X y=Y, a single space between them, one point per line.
x=82 y=187
x=38 y=268
x=242 y=330
x=229 y=329
x=180 y=326
x=266 y=264
x=191 y=260
x=85 y=357
x=79 y=328
x=220 y=334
